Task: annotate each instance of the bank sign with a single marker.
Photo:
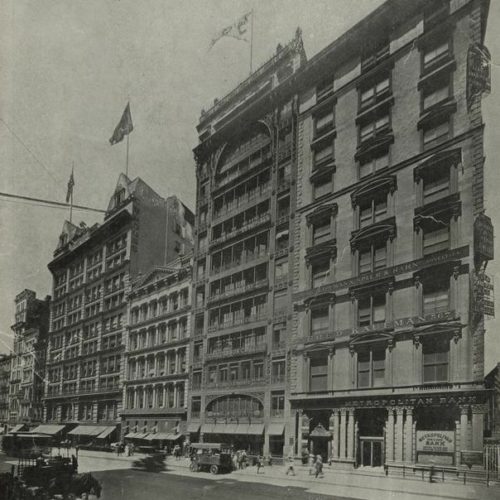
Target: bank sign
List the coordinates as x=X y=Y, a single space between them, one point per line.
x=436 y=441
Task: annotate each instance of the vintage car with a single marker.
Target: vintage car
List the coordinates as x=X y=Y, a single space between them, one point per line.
x=213 y=457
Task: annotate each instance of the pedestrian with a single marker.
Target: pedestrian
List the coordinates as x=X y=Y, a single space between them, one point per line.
x=318 y=466
x=74 y=463
x=311 y=464
x=259 y=463
x=77 y=449
x=290 y=464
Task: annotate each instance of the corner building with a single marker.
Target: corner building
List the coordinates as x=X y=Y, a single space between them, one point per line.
x=93 y=268
x=388 y=346
x=243 y=249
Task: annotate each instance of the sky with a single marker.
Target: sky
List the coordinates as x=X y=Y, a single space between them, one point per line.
x=69 y=68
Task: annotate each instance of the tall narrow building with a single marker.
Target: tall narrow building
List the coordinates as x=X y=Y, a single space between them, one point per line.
x=92 y=269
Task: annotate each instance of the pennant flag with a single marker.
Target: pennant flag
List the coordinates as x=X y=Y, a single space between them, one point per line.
x=123 y=128
x=236 y=30
x=71 y=183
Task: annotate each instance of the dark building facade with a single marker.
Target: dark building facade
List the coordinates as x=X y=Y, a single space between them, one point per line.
x=92 y=273
x=5 y=364
x=27 y=372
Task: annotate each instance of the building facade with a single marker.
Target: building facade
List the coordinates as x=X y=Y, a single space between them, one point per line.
x=243 y=249
x=157 y=353
x=5 y=364
x=388 y=356
x=27 y=372
x=92 y=273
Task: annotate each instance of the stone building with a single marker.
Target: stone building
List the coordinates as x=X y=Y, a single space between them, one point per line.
x=92 y=269
x=28 y=358
x=5 y=363
x=157 y=354
x=388 y=340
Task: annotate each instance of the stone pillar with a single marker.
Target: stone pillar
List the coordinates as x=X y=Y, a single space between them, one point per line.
x=398 y=436
x=464 y=419
x=165 y=400
x=478 y=412
x=408 y=435
x=343 y=429
x=336 y=425
x=135 y=397
x=389 y=436
x=329 y=384
x=350 y=434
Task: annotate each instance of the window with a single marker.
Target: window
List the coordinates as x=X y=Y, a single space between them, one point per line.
x=278 y=371
x=320 y=271
x=436 y=185
x=436 y=135
x=371 y=310
x=436 y=296
x=322 y=186
x=258 y=370
x=371 y=367
x=436 y=238
x=323 y=123
x=318 y=372
x=280 y=301
x=373 y=258
x=372 y=210
x=212 y=374
x=371 y=129
x=324 y=89
x=435 y=96
x=320 y=320
x=197 y=380
x=321 y=231
x=371 y=94
x=435 y=360
x=277 y=404
x=434 y=54
x=281 y=270
x=373 y=165
x=323 y=155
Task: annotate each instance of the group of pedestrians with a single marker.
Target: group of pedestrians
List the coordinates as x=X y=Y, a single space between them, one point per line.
x=315 y=465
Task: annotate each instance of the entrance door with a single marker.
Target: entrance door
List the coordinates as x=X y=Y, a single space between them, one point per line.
x=372 y=451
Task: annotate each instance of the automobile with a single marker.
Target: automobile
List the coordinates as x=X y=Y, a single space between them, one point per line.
x=213 y=457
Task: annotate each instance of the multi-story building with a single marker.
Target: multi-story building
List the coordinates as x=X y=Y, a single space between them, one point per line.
x=92 y=270
x=157 y=353
x=360 y=171
x=243 y=246
x=28 y=358
x=390 y=234
x=5 y=363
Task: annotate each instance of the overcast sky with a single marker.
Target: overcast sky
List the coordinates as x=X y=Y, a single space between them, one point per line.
x=69 y=67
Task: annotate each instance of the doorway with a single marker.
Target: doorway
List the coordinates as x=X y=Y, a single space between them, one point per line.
x=371 y=451
x=371 y=426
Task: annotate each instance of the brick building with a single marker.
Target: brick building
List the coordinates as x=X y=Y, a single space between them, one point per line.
x=92 y=271
x=28 y=358
x=156 y=355
x=351 y=186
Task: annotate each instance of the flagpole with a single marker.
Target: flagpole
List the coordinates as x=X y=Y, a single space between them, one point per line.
x=71 y=196
x=126 y=165
x=251 y=40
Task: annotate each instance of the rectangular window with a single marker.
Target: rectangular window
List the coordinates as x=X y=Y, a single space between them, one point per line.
x=371 y=129
x=323 y=155
x=436 y=135
x=371 y=94
x=373 y=258
x=277 y=404
x=436 y=96
x=371 y=310
x=278 y=371
x=319 y=372
x=435 y=239
x=322 y=186
x=436 y=185
x=323 y=123
x=435 y=361
x=320 y=322
x=371 y=211
x=373 y=165
x=436 y=296
x=321 y=232
x=371 y=368
x=320 y=271
x=434 y=54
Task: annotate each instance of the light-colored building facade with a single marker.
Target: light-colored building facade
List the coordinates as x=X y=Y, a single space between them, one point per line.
x=157 y=354
x=28 y=358
x=92 y=273
x=388 y=357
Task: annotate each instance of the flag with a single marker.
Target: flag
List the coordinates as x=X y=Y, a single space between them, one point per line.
x=236 y=30
x=123 y=128
x=71 y=183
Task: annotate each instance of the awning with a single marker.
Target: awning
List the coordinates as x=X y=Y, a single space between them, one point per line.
x=159 y=436
x=207 y=428
x=255 y=429
x=106 y=432
x=276 y=429
x=17 y=428
x=48 y=429
x=173 y=437
x=242 y=429
x=87 y=430
x=231 y=429
x=193 y=427
x=136 y=435
x=219 y=428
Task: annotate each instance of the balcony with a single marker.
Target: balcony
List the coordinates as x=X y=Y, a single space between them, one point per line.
x=247 y=226
x=238 y=321
x=238 y=288
x=230 y=353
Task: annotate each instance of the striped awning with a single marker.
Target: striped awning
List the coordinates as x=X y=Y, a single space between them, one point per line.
x=87 y=430
x=106 y=432
x=48 y=429
x=173 y=437
x=276 y=429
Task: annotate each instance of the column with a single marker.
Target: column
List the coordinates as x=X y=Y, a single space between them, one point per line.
x=389 y=436
x=329 y=384
x=336 y=425
x=398 y=436
x=135 y=397
x=343 y=428
x=156 y=365
x=478 y=412
x=408 y=437
x=175 y=394
x=165 y=396
x=350 y=434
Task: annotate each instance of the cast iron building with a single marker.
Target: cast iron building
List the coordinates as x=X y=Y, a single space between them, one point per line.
x=92 y=270
x=156 y=356
x=28 y=358
x=350 y=186
x=241 y=290
x=388 y=341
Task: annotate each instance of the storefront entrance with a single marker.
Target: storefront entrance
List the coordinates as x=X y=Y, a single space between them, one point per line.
x=371 y=451
x=371 y=424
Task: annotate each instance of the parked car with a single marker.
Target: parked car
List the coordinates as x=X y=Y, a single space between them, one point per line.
x=213 y=457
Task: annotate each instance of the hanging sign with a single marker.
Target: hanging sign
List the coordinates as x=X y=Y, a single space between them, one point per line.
x=478 y=72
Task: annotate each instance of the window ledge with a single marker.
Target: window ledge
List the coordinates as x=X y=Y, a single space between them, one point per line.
x=437 y=113
x=429 y=75
x=382 y=103
x=322 y=171
x=383 y=229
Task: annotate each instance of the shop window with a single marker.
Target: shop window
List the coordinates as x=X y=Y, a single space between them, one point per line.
x=318 y=372
x=435 y=360
x=436 y=295
x=371 y=367
x=436 y=135
x=319 y=272
x=372 y=128
x=321 y=231
x=371 y=310
x=320 y=322
x=436 y=237
x=369 y=95
x=373 y=165
x=372 y=210
x=322 y=186
x=373 y=258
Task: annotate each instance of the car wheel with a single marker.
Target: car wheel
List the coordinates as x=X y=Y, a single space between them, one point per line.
x=214 y=469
